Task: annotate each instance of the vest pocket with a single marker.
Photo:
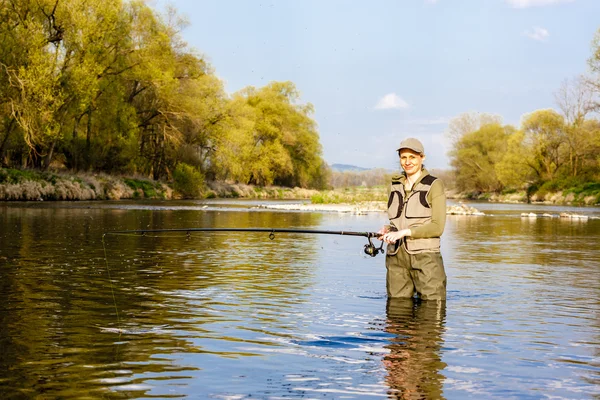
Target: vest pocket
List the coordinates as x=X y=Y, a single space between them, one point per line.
x=420 y=245
x=417 y=206
x=395 y=198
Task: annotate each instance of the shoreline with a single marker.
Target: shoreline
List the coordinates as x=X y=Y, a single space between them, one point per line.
x=30 y=185
x=460 y=209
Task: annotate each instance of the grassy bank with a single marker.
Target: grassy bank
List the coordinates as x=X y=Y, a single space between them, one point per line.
x=31 y=185
x=583 y=195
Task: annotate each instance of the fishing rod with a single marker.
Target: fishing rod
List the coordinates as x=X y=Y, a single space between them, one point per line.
x=369 y=249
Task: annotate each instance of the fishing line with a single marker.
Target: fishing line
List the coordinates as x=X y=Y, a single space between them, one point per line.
x=112 y=290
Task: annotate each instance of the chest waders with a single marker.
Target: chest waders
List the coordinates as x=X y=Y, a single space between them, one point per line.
x=414 y=265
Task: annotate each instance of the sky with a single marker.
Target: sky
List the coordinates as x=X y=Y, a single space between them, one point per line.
x=379 y=71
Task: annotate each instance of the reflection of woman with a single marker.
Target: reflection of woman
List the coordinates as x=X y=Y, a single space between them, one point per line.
x=417 y=212
x=413 y=364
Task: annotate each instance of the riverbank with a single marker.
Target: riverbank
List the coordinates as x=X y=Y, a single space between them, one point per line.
x=587 y=195
x=31 y=185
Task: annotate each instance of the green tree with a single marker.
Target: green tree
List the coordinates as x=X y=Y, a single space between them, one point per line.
x=546 y=142
x=111 y=86
x=475 y=156
x=284 y=144
x=513 y=169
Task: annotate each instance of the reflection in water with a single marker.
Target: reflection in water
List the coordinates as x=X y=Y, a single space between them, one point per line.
x=414 y=362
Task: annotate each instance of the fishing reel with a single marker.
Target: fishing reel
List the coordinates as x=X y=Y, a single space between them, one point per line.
x=371 y=250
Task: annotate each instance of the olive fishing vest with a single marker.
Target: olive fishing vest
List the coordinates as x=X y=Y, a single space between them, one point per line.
x=412 y=210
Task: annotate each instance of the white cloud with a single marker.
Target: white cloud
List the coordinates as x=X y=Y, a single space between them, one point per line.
x=431 y=1
x=535 y=3
x=391 y=101
x=537 y=33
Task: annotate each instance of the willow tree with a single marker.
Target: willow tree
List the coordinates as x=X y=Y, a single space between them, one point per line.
x=59 y=58
x=31 y=68
x=99 y=49
x=110 y=85
x=280 y=143
x=234 y=145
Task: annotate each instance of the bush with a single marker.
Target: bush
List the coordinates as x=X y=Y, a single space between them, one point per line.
x=188 y=181
x=317 y=199
x=15 y=176
x=141 y=188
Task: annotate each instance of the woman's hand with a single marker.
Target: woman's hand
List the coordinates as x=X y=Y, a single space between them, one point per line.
x=383 y=231
x=393 y=237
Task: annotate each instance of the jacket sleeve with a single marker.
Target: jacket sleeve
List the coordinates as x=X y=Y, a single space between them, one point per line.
x=437 y=200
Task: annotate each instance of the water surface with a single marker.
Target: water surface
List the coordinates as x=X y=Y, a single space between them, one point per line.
x=236 y=315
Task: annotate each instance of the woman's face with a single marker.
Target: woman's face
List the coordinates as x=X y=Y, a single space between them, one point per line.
x=411 y=161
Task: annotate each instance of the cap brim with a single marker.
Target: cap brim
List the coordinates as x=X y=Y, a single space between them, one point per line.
x=411 y=148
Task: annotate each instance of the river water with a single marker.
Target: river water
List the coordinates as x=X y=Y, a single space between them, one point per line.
x=236 y=315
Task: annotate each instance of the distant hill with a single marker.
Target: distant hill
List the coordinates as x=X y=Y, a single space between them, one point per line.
x=346 y=167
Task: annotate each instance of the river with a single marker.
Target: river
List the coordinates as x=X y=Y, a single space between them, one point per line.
x=237 y=315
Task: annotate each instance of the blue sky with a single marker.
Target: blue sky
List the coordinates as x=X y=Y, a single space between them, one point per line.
x=381 y=70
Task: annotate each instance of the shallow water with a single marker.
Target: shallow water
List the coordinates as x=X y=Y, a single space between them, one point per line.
x=236 y=315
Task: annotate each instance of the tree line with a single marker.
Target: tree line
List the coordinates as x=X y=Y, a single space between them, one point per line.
x=551 y=149
x=110 y=86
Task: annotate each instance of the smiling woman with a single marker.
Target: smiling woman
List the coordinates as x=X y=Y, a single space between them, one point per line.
x=417 y=212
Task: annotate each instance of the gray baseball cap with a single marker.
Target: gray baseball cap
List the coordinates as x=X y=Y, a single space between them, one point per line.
x=412 y=144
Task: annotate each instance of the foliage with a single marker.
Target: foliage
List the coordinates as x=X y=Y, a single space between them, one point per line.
x=475 y=156
x=11 y=176
x=143 y=188
x=551 y=151
x=188 y=181
x=548 y=153
x=271 y=139
x=38 y=185
x=110 y=86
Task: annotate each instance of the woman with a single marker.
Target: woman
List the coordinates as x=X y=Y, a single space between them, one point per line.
x=417 y=212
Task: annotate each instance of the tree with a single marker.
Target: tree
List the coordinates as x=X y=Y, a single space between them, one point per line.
x=513 y=169
x=470 y=122
x=575 y=100
x=284 y=144
x=109 y=85
x=546 y=141
x=475 y=155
